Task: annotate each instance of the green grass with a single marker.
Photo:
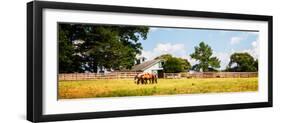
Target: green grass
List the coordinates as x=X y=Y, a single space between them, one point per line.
x=127 y=87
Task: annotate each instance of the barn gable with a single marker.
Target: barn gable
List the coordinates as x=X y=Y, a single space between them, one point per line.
x=146 y=65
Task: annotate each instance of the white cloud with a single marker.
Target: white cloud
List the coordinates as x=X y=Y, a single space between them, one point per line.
x=235 y=40
x=254 y=43
x=177 y=50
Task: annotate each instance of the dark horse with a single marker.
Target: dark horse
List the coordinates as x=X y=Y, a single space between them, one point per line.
x=144 y=78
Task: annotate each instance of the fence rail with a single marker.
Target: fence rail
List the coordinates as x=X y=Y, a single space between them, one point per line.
x=211 y=75
x=91 y=76
x=130 y=75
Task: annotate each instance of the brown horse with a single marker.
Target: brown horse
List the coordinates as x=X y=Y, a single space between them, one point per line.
x=144 y=78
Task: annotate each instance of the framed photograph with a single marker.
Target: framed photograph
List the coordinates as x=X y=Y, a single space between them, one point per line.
x=89 y=61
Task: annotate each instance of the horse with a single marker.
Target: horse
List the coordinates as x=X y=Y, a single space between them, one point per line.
x=151 y=77
x=144 y=78
x=139 y=79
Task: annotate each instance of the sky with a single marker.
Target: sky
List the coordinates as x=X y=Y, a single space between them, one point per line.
x=180 y=42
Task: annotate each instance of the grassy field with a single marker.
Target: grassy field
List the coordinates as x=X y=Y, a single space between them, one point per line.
x=120 y=88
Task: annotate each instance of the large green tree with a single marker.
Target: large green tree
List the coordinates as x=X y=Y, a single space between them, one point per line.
x=174 y=64
x=85 y=47
x=68 y=60
x=242 y=62
x=203 y=54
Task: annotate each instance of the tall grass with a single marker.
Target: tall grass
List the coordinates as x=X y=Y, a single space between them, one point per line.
x=126 y=87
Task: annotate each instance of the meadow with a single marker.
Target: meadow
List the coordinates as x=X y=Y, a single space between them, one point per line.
x=127 y=87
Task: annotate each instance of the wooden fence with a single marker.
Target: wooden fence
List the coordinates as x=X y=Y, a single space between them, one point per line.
x=211 y=75
x=131 y=75
x=91 y=76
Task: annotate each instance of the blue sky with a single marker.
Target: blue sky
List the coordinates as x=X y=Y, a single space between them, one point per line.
x=180 y=42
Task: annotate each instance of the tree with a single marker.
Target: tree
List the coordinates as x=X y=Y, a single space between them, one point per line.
x=203 y=53
x=164 y=57
x=101 y=45
x=185 y=64
x=242 y=62
x=67 y=59
x=174 y=64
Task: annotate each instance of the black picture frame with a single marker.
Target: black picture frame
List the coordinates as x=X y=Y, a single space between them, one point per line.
x=35 y=69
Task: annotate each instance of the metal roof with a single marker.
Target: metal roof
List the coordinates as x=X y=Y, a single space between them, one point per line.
x=145 y=65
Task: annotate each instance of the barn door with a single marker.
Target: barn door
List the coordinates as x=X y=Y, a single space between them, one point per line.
x=160 y=73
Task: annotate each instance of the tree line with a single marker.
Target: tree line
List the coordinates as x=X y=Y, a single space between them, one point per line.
x=239 y=62
x=86 y=47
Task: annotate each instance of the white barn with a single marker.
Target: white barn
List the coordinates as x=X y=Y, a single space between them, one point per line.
x=152 y=66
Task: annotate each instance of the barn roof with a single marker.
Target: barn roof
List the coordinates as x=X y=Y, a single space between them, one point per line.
x=145 y=65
